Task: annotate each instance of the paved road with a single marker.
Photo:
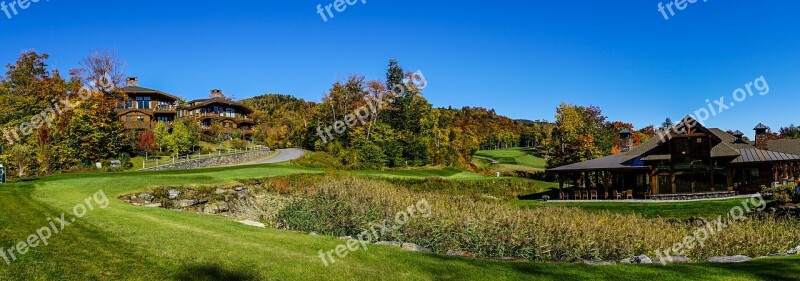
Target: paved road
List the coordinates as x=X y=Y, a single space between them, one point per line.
x=284 y=155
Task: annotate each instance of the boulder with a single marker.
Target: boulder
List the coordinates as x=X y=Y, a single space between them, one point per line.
x=173 y=194
x=642 y=259
x=731 y=259
x=414 y=248
x=154 y=205
x=186 y=203
x=313 y=233
x=146 y=197
x=389 y=243
x=672 y=259
x=219 y=191
x=794 y=251
x=346 y=238
x=238 y=188
x=253 y=223
x=463 y=254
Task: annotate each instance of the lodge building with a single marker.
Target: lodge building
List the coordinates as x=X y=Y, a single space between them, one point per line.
x=694 y=162
x=144 y=108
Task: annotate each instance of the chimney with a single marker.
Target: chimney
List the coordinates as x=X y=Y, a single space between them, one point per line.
x=217 y=94
x=626 y=140
x=739 y=136
x=761 y=136
x=132 y=81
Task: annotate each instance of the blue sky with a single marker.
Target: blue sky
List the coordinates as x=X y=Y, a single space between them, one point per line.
x=521 y=58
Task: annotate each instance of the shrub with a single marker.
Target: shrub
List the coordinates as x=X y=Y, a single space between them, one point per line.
x=781 y=194
x=239 y=144
x=318 y=160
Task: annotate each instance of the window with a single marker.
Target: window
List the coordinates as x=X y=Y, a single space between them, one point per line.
x=140 y=118
x=230 y=112
x=143 y=102
x=128 y=118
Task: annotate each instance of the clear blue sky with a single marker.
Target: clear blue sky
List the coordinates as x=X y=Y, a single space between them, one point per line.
x=522 y=58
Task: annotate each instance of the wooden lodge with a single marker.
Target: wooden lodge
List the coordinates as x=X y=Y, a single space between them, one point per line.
x=144 y=108
x=688 y=162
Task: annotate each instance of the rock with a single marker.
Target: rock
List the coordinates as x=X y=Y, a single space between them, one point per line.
x=389 y=243
x=642 y=259
x=253 y=223
x=672 y=259
x=626 y=261
x=137 y=202
x=146 y=197
x=794 y=251
x=731 y=259
x=155 y=205
x=186 y=203
x=313 y=233
x=173 y=194
x=346 y=238
x=463 y=254
x=238 y=188
x=219 y=191
x=414 y=248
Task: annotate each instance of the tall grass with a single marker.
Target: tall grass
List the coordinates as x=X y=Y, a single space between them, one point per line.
x=339 y=205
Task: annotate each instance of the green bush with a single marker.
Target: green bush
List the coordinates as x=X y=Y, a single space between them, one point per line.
x=239 y=144
x=318 y=160
x=781 y=194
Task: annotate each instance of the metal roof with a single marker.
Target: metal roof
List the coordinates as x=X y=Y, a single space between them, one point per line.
x=755 y=155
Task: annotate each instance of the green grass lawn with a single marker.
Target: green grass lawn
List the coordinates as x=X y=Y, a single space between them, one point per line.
x=519 y=158
x=678 y=210
x=126 y=242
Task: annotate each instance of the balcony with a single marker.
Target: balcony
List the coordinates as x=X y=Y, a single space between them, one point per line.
x=165 y=108
x=221 y=115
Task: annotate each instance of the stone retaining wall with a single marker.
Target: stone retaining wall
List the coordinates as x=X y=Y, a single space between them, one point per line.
x=217 y=161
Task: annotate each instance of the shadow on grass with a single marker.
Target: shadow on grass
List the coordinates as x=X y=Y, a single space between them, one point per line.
x=552 y=192
x=213 y=272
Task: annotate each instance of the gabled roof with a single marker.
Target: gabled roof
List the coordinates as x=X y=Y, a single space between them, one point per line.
x=142 y=90
x=785 y=146
x=204 y=102
x=613 y=162
x=761 y=127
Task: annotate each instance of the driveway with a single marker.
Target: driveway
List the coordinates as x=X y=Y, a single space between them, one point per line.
x=284 y=155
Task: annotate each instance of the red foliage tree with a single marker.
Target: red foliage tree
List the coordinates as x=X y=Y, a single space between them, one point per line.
x=146 y=141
